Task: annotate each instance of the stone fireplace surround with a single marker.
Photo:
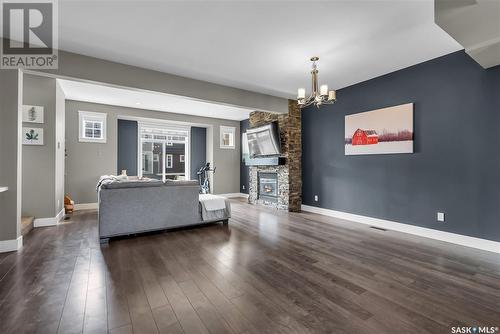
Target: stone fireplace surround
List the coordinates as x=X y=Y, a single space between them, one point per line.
x=289 y=174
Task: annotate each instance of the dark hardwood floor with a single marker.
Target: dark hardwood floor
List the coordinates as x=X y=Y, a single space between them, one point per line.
x=266 y=272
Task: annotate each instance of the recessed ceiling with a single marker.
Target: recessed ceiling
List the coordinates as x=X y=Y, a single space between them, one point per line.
x=262 y=46
x=95 y=93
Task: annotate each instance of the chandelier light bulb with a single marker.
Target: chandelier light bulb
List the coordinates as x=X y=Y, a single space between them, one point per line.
x=301 y=93
x=332 y=95
x=323 y=90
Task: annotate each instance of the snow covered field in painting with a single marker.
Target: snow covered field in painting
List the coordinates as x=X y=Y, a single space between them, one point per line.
x=391 y=147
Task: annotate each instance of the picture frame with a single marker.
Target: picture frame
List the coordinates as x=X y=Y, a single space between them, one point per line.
x=381 y=131
x=32 y=136
x=227 y=137
x=33 y=114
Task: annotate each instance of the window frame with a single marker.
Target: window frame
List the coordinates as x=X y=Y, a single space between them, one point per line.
x=96 y=117
x=167 y=164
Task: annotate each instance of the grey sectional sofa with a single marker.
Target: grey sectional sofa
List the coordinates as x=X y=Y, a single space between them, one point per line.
x=142 y=206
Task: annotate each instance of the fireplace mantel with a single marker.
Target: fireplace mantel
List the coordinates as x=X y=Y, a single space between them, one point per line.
x=266 y=161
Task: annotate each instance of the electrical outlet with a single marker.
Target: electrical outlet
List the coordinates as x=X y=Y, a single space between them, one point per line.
x=316 y=198
x=440 y=216
x=243 y=187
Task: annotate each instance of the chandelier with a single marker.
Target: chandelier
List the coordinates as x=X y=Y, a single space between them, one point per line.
x=317 y=97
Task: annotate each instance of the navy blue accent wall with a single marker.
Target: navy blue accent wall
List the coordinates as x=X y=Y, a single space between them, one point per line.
x=456 y=165
x=198 y=150
x=244 y=125
x=127 y=147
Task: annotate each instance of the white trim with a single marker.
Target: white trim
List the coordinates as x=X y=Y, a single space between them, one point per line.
x=52 y=221
x=11 y=245
x=3 y=189
x=86 y=206
x=233 y=195
x=463 y=240
x=19 y=180
x=60 y=215
x=187 y=153
x=43 y=222
x=163 y=161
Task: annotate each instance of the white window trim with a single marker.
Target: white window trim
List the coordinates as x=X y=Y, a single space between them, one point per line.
x=96 y=116
x=223 y=129
x=171 y=164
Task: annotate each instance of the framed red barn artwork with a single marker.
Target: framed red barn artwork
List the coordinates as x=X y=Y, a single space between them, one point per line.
x=382 y=131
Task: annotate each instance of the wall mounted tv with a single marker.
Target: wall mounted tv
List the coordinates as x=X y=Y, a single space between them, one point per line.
x=264 y=140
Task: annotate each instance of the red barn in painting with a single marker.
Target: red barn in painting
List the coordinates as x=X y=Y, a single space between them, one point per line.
x=364 y=137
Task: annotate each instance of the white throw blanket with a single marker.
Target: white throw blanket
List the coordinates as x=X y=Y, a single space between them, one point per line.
x=107 y=179
x=212 y=202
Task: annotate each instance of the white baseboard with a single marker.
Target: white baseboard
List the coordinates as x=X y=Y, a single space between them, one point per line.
x=11 y=245
x=60 y=215
x=234 y=195
x=85 y=206
x=52 y=221
x=463 y=240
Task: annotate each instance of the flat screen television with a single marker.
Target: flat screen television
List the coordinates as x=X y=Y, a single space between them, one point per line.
x=264 y=140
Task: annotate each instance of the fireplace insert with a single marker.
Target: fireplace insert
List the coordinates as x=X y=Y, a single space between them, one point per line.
x=268 y=186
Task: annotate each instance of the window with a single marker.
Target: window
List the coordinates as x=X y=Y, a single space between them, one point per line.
x=169 y=161
x=227 y=134
x=92 y=127
x=167 y=142
x=147 y=162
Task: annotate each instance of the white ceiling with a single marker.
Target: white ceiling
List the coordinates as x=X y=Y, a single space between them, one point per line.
x=482 y=42
x=262 y=46
x=89 y=92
